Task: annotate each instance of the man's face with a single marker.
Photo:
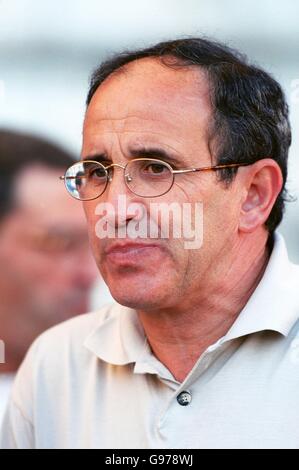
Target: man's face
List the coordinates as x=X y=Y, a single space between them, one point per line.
x=153 y=106
x=48 y=270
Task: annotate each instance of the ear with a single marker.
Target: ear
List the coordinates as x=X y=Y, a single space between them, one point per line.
x=262 y=184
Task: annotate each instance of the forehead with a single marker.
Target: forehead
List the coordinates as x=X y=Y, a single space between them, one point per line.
x=42 y=197
x=150 y=97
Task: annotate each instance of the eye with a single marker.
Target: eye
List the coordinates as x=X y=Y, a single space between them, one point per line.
x=155 y=168
x=97 y=173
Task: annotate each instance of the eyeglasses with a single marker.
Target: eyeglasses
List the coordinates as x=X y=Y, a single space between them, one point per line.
x=145 y=177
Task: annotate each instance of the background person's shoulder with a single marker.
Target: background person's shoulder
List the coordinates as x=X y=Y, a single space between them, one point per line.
x=81 y=325
x=58 y=350
x=69 y=336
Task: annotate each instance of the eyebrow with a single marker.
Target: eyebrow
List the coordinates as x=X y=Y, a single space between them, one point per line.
x=147 y=152
x=156 y=152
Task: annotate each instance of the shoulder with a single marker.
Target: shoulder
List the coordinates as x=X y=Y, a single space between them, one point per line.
x=76 y=329
x=59 y=353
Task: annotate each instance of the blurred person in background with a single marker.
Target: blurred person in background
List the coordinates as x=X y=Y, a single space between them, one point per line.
x=46 y=268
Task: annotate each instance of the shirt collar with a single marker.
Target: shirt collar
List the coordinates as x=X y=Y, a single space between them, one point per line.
x=119 y=337
x=274 y=304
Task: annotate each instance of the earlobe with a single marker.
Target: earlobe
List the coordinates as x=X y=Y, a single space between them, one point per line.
x=263 y=184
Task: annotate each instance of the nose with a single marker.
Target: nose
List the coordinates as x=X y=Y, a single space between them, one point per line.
x=119 y=196
x=116 y=180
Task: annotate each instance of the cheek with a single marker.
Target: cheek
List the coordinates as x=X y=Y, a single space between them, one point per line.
x=33 y=276
x=91 y=217
x=220 y=222
x=38 y=269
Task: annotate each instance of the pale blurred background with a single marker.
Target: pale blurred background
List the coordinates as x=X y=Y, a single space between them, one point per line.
x=48 y=50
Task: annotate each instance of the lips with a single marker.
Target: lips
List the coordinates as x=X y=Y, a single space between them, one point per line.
x=130 y=253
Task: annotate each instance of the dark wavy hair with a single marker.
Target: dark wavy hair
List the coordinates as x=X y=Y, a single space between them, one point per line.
x=18 y=151
x=250 y=113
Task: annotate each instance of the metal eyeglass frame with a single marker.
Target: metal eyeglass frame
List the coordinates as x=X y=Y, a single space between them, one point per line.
x=127 y=177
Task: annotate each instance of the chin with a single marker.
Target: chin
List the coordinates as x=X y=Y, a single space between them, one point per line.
x=137 y=299
x=141 y=288
x=132 y=301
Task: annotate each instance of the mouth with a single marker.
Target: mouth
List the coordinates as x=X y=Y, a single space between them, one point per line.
x=130 y=253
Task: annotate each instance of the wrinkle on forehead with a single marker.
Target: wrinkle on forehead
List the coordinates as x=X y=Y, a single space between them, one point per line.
x=145 y=83
x=38 y=192
x=150 y=98
x=132 y=140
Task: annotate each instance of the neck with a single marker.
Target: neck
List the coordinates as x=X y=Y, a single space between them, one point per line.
x=180 y=334
x=15 y=327
x=8 y=368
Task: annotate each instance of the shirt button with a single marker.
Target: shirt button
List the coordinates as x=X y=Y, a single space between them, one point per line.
x=184 y=398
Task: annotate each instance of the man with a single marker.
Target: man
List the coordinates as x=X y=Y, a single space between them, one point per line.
x=46 y=269
x=199 y=350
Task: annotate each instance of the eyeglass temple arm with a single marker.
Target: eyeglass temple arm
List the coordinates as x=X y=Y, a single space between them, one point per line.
x=63 y=178
x=187 y=170
x=211 y=168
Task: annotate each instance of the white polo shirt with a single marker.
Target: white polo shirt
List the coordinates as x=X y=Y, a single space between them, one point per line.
x=6 y=381
x=93 y=382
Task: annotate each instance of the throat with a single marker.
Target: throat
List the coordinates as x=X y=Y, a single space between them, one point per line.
x=179 y=343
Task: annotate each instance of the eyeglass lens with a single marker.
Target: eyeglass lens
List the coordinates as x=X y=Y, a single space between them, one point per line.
x=87 y=180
